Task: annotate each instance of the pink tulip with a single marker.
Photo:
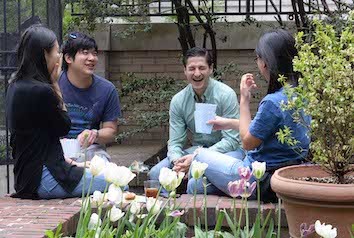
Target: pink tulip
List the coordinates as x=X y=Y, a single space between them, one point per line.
x=248 y=189
x=176 y=213
x=244 y=173
x=236 y=188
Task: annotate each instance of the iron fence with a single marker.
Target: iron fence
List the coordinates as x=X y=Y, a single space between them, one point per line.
x=158 y=8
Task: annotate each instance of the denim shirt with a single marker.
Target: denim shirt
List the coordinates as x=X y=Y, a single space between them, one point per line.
x=182 y=109
x=269 y=119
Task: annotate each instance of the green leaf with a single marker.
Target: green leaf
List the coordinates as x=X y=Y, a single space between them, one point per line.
x=198 y=233
x=58 y=230
x=49 y=233
x=266 y=221
x=230 y=223
x=270 y=232
x=219 y=221
x=257 y=228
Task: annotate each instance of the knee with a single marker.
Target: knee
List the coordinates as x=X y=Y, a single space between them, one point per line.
x=155 y=171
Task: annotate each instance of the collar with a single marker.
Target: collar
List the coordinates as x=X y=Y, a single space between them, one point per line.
x=207 y=93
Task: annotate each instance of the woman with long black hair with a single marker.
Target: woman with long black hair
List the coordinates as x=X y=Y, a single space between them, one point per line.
x=37 y=118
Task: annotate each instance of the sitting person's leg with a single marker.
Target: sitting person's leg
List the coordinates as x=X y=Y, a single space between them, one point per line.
x=154 y=172
x=50 y=188
x=238 y=154
x=98 y=184
x=221 y=170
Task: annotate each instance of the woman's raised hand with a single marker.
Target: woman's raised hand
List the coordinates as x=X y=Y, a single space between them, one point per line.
x=55 y=74
x=247 y=85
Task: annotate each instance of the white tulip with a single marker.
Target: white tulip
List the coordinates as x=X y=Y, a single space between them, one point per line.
x=141 y=216
x=94 y=220
x=135 y=208
x=97 y=198
x=110 y=173
x=124 y=176
x=258 y=169
x=169 y=179
x=97 y=165
x=198 y=169
x=153 y=205
x=326 y=231
x=115 y=214
x=114 y=194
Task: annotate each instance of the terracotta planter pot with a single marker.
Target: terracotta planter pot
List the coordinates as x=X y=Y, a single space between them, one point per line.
x=306 y=202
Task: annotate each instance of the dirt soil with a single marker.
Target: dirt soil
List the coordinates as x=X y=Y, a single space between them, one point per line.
x=348 y=179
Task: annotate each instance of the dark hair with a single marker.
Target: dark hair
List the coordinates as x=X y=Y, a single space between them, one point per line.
x=277 y=49
x=196 y=52
x=30 y=53
x=77 y=41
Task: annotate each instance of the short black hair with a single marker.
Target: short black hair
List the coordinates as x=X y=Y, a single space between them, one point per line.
x=77 y=41
x=196 y=52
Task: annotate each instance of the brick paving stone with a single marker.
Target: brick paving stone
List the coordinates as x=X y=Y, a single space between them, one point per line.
x=31 y=218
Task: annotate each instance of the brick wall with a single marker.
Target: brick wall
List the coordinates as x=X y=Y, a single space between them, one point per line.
x=158 y=54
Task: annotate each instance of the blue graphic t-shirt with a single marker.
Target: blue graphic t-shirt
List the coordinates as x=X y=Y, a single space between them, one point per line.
x=88 y=107
x=267 y=122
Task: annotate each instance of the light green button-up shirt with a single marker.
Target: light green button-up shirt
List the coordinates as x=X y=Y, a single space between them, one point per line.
x=182 y=109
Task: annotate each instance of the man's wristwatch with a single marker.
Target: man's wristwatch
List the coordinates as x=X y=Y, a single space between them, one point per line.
x=97 y=134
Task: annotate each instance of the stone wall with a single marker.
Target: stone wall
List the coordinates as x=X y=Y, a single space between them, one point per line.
x=157 y=53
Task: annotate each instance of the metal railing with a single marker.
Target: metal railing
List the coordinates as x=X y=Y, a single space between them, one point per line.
x=153 y=8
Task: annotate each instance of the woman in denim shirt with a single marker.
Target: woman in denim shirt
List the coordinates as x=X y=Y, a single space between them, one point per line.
x=275 y=52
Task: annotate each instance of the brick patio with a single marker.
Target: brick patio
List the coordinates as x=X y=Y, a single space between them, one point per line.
x=31 y=218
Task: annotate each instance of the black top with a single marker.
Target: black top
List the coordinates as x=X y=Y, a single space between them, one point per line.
x=36 y=123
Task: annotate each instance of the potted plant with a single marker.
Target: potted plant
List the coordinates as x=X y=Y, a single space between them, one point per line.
x=324 y=191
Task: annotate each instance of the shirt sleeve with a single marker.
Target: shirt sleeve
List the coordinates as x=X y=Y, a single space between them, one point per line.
x=112 y=107
x=267 y=120
x=177 y=131
x=230 y=140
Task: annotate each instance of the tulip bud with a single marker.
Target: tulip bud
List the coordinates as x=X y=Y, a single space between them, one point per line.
x=198 y=169
x=258 y=169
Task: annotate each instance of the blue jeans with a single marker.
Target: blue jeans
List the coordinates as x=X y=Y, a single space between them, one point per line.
x=222 y=169
x=155 y=171
x=50 y=188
